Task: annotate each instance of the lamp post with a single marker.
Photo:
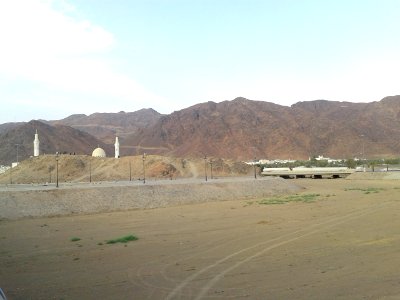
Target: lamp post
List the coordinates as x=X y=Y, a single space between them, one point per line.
x=205 y=167
x=254 y=165
x=17 y=151
x=57 y=157
x=130 y=171
x=90 y=170
x=211 y=165
x=144 y=169
x=363 y=153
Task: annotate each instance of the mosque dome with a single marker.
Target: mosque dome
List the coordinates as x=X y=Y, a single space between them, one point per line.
x=98 y=152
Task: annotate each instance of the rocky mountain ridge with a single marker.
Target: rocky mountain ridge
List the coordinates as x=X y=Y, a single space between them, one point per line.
x=244 y=129
x=106 y=126
x=17 y=142
x=240 y=129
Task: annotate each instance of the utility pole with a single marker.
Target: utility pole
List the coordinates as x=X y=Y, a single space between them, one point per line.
x=363 y=153
x=17 y=152
x=255 y=169
x=211 y=165
x=57 y=169
x=130 y=171
x=144 y=169
x=205 y=167
x=90 y=170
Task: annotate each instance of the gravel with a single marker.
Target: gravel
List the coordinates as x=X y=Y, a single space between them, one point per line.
x=391 y=175
x=20 y=201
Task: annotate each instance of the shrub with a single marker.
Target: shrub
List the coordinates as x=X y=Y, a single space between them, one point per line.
x=123 y=239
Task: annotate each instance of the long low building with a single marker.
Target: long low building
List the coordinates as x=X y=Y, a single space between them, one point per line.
x=302 y=172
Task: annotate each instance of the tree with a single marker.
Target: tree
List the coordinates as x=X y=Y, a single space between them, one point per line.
x=351 y=163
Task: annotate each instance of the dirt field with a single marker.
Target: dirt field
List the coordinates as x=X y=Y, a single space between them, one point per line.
x=24 y=200
x=339 y=240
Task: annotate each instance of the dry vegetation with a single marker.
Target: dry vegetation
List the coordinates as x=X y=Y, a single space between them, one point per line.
x=79 y=168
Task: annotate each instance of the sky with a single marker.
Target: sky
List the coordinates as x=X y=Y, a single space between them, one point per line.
x=63 y=57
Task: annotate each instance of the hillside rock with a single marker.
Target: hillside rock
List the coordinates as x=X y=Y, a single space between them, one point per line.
x=105 y=126
x=58 y=138
x=240 y=129
x=244 y=129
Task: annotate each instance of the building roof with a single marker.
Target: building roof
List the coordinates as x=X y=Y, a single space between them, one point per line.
x=98 y=152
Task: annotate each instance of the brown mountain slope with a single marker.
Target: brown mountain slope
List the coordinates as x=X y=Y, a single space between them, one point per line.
x=63 y=139
x=228 y=129
x=7 y=126
x=105 y=126
x=243 y=129
x=240 y=129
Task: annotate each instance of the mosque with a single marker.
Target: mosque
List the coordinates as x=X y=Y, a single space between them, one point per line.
x=98 y=152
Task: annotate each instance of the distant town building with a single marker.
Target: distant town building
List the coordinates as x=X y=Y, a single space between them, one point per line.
x=3 y=169
x=275 y=161
x=321 y=157
x=329 y=160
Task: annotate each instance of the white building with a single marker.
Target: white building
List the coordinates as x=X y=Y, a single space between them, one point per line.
x=3 y=169
x=116 y=146
x=36 y=144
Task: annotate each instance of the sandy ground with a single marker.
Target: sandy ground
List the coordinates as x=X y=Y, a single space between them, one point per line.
x=345 y=245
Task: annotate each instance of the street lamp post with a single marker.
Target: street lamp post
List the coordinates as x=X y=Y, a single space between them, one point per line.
x=205 y=167
x=17 y=152
x=363 y=153
x=144 y=169
x=90 y=170
x=57 y=157
x=130 y=171
x=255 y=171
x=211 y=169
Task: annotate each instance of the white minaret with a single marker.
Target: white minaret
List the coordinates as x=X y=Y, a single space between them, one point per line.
x=116 y=145
x=36 y=145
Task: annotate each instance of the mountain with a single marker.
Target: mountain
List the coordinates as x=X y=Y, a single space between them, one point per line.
x=7 y=126
x=57 y=138
x=240 y=129
x=106 y=126
x=244 y=129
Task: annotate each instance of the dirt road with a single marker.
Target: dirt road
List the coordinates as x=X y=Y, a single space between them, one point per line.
x=339 y=239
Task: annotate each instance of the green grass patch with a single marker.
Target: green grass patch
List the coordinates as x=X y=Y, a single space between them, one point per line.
x=368 y=190
x=123 y=239
x=75 y=239
x=305 y=198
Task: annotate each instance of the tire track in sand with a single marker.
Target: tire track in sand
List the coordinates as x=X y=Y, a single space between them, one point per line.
x=253 y=253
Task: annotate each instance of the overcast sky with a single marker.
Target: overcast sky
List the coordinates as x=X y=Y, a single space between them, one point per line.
x=85 y=56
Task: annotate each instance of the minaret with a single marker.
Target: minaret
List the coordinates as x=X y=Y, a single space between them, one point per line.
x=116 y=145
x=36 y=145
